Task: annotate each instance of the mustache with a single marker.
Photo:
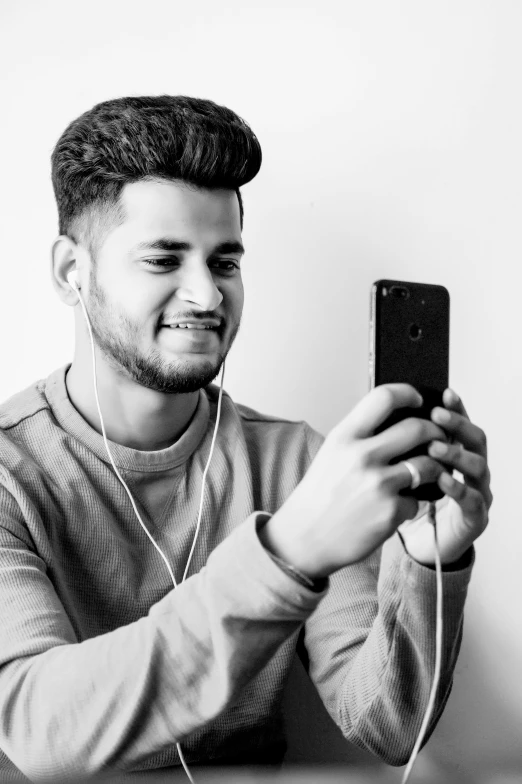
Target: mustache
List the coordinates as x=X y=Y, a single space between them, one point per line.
x=201 y=316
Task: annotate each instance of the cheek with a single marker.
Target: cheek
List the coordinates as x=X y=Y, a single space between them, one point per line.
x=234 y=297
x=129 y=309
x=141 y=300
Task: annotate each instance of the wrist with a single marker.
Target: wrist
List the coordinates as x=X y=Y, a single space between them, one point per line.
x=448 y=564
x=463 y=562
x=279 y=539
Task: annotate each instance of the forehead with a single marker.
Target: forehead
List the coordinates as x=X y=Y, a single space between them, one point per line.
x=160 y=207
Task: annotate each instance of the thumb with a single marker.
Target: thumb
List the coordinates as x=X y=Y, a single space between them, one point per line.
x=375 y=408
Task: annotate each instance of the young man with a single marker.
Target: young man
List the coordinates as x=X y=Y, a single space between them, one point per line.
x=104 y=664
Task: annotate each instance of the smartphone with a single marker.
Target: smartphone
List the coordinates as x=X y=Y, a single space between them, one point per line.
x=409 y=343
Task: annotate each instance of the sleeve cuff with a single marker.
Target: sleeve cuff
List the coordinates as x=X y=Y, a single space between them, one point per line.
x=247 y=571
x=317 y=586
x=455 y=579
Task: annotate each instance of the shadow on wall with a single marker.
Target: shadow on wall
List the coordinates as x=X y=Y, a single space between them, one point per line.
x=477 y=740
x=479 y=735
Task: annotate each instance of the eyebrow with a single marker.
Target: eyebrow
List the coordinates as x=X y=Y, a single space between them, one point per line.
x=167 y=244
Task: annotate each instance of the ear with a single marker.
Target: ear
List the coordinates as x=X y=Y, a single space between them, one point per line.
x=66 y=258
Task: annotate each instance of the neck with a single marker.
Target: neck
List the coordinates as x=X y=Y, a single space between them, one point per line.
x=133 y=416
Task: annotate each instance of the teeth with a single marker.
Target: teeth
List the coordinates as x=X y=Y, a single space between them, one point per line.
x=189 y=326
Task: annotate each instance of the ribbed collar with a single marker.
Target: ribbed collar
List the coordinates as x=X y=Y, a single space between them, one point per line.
x=125 y=457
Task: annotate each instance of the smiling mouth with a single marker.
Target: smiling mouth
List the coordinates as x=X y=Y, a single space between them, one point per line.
x=190 y=327
x=196 y=334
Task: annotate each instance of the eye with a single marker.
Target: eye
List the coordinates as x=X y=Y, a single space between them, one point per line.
x=159 y=261
x=226 y=265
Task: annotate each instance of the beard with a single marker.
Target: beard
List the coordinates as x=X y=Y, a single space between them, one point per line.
x=117 y=337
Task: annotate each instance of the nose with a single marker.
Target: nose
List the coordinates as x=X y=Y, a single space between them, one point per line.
x=196 y=285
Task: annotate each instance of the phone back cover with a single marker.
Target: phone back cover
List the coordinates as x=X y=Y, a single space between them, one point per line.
x=397 y=358
x=421 y=362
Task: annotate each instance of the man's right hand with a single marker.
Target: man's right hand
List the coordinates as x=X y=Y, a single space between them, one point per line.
x=348 y=502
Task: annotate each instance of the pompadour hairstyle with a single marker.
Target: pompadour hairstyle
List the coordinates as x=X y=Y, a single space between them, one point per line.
x=128 y=139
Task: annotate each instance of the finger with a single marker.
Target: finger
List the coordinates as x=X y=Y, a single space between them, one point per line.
x=468 y=498
x=376 y=407
x=470 y=464
x=452 y=401
x=461 y=429
x=399 y=478
x=401 y=438
x=407 y=509
x=473 y=467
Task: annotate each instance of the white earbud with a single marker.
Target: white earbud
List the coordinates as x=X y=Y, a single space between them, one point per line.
x=72 y=277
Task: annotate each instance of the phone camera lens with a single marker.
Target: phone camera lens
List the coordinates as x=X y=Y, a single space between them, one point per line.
x=415 y=332
x=401 y=292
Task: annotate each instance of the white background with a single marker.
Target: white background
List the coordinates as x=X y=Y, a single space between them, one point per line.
x=392 y=142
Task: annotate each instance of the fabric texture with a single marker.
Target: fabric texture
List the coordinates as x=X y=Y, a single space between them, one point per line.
x=104 y=665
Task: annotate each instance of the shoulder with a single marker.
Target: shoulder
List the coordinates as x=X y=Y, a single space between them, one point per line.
x=22 y=406
x=25 y=434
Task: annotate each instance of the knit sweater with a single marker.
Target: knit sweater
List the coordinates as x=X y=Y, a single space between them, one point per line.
x=104 y=665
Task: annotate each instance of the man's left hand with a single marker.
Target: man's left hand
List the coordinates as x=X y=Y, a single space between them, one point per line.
x=464 y=516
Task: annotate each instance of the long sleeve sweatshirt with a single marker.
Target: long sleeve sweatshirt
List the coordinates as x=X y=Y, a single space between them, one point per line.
x=104 y=665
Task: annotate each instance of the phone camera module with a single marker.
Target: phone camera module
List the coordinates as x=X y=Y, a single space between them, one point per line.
x=415 y=332
x=401 y=292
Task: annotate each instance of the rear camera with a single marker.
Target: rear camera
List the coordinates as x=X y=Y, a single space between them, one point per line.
x=401 y=292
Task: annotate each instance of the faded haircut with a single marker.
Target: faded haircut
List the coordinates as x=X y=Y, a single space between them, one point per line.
x=147 y=137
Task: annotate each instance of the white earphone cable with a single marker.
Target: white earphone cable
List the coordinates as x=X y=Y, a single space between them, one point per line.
x=438 y=647
x=198 y=525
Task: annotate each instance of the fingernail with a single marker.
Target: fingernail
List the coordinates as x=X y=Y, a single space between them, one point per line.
x=441 y=415
x=446 y=480
x=437 y=449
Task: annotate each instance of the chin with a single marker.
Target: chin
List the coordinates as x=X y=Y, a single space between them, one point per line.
x=180 y=376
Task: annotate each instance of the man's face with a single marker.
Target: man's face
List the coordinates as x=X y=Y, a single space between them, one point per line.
x=176 y=257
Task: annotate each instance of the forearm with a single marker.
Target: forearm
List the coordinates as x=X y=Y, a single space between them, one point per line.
x=119 y=699
x=378 y=684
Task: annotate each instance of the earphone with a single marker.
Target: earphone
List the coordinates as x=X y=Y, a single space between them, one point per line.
x=73 y=279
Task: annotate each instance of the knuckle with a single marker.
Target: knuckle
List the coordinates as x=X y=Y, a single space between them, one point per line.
x=376 y=480
x=483 y=471
x=385 y=396
x=482 y=438
x=476 y=502
x=338 y=438
x=364 y=456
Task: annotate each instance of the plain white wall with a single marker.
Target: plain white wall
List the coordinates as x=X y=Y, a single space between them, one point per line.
x=391 y=138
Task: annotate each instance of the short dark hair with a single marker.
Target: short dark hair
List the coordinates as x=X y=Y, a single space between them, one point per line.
x=128 y=139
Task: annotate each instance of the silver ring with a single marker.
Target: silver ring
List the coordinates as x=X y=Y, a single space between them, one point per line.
x=415 y=476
